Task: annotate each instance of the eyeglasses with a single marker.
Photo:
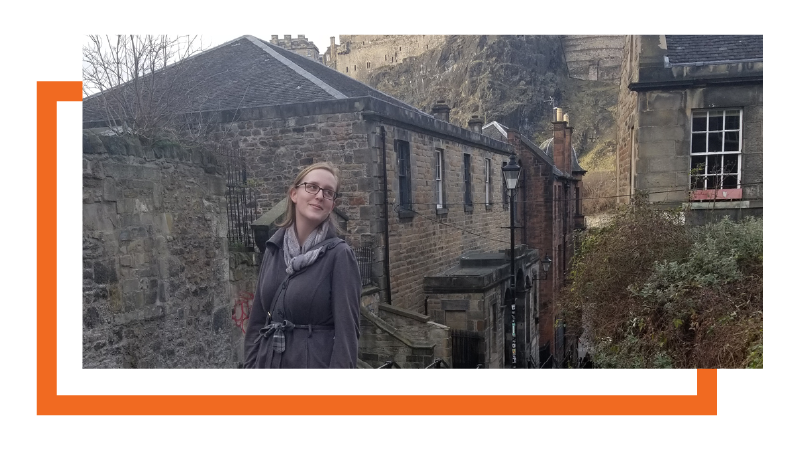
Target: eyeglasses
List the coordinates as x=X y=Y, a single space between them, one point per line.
x=313 y=189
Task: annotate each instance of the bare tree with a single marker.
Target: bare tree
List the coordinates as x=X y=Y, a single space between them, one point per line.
x=138 y=84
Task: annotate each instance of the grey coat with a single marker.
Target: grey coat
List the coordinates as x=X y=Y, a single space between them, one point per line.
x=321 y=301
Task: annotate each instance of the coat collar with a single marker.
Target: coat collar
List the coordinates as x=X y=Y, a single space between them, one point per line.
x=276 y=241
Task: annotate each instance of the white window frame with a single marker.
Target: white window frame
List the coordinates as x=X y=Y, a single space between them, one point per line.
x=707 y=177
x=487 y=181
x=437 y=179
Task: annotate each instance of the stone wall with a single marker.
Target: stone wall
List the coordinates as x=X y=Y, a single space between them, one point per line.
x=408 y=342
x=627 y=120
x=664 y=139
x=243 y=269
x=595 y=58
x=276 y=143
x=155 y=253
x=358 y=55
x=426 y=240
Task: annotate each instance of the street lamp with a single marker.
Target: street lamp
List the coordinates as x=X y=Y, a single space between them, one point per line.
x=510 y=178
x=545 y=266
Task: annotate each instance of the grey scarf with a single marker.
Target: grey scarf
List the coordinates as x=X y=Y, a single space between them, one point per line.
x=296 y=257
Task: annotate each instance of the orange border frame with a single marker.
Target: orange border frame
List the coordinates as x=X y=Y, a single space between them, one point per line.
x=50 y=403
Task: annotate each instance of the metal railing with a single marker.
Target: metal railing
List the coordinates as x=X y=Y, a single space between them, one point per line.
x=437 y=364
x=364 y=260
x=241 y=202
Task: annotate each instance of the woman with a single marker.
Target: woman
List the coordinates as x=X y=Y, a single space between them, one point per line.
x=306 y=308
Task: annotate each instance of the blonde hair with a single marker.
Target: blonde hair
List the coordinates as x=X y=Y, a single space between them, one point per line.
x=288 y=217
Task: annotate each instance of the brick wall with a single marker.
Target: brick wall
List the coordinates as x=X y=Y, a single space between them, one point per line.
x=549 y=221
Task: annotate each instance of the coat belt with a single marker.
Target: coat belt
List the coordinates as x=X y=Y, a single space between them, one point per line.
x=276 y=330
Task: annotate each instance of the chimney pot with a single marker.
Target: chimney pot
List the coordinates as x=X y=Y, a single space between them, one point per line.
x=441 y=111
x=475 y=124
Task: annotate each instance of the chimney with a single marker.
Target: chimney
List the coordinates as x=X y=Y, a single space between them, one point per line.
x=287 y=38
x=568 y=147
x=475 y=125
x=302 y=37
x=441 y=111
x=562 y=142
x=274 y=39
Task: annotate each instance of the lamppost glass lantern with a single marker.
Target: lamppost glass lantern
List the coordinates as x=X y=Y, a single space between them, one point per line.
x=511 y=173
x=546 y=264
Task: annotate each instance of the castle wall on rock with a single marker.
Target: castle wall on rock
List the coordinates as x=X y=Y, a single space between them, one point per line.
x=358 y=55
x=594 y=58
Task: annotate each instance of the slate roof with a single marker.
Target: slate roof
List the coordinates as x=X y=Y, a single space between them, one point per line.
x=692 y=49
x=496 y=130
x=247 y=72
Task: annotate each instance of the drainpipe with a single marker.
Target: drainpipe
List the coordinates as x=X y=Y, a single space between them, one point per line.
x=385 y=220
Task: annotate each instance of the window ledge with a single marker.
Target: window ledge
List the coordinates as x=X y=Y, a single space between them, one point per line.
x=741 y=204
x=405 y=214
x=716 y=194
x=468 y=208
x=440 y=211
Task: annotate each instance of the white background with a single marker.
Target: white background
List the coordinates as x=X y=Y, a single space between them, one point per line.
x=754 y=406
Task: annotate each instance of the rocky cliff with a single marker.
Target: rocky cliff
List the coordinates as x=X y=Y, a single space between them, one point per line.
x=515 y=80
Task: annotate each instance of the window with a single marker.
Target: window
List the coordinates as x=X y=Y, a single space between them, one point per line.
x=487 y=181
x=438 y=188
x=467 y=180
x=716 y=151
x=404 y=172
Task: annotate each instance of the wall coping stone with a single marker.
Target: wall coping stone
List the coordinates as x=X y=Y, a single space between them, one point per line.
x=380 y=323
x=404 y=312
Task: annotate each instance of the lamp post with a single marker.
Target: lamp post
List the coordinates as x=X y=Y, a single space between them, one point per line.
x=510 y=178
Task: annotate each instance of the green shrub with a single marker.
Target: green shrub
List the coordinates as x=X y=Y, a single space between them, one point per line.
x=653 y=292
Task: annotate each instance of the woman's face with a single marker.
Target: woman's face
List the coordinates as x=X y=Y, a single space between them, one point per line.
x=313 y=209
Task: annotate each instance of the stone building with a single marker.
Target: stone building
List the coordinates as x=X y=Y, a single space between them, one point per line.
x=421 y=195
x=690 y=123
x=299 y=45
x=549 y=211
